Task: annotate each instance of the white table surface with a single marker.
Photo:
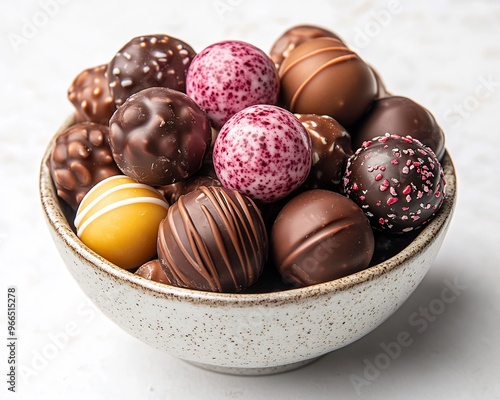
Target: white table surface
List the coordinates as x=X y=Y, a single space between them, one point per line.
x=443 y=54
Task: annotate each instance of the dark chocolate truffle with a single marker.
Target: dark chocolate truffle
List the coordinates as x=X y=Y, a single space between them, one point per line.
x=148 y=61
x=294 y=37
x=89 y=93
x=397 y=181
x=81 y=158
x=322 y=76
x=159 y=136
x=153 y=271
x=401 y=116
x=320 y=236
x=213 y=239
x=331 y=147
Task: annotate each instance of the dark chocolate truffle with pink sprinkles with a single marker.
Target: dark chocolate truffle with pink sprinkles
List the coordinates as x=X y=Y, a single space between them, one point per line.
x=229 y=76
x=264 y=152
x=397 y=181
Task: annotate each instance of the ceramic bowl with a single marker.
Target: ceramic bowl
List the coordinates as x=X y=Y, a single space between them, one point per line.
x=248 y=334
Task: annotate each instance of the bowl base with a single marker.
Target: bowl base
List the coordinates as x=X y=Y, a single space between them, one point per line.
x=254 y=371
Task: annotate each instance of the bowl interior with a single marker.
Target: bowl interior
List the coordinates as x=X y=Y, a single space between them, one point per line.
x=55 y=212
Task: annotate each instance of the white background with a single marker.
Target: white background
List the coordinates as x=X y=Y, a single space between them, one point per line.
x=443 y=54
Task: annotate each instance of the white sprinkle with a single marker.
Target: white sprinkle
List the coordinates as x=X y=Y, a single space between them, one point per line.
x=116 y=71
x=127 y=56
x=126 y=82
x=159 y=54
x=146 y=69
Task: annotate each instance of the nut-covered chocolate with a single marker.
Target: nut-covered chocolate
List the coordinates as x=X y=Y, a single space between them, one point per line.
x=331 y=147
x=397 y=181
x=159 y=136
x=213 y=239
x=153 y=271
x=148 y=61
x=80 y=159
x=89 y=93
x=323 y=76
x=320 y=236
x=401 y=116
x=294 y=37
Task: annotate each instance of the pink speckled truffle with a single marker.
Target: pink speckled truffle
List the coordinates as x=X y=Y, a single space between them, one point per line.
x=264 y=152
x=229 y=76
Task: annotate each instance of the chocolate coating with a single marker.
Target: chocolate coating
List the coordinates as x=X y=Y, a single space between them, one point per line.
x=148 y=61
x=89 y=93
x=322 y=76
x=397 y=181
x=80 y=159
x=213 y=239
x=401 y=116
x=159 y=136
x=175 y=190
x=320 y=236
x=331 y=147
x=294 y=37
x=153 y=271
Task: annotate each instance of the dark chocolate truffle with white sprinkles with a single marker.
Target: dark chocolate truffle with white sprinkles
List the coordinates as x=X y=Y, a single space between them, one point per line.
x=148 y=61
x=159 y=136
x=397 y=181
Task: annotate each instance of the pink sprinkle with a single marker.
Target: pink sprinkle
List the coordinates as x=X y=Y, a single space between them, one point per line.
x=405 y=208
x=362 y=198
x=381 y=221
x=378 y=177
x=394 y=162
x=392 y=200
x=354 y=186
x=407 y=190
x=382 y=168
x=408 y=198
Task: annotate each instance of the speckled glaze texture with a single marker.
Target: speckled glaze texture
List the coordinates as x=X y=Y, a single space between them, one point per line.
x=248 y=334
x=264 y=152
x=229 y=76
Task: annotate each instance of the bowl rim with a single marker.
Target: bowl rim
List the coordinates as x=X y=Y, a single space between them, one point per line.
x=59 y=224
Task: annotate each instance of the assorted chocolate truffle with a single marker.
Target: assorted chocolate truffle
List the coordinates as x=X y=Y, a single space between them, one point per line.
x=320 y=236
x=153 y=271
x=323 y=76
x=81 y=158
x=159 y=136
x=397 y=181
x=149 y=61
x=175 y=190
x=229 y=76
x=401 y=116
x=213 y=239
x=89 y=93
x=264 y=152
x=119 y=218
x=331 y=147
x=294 y=37
x=168 y=190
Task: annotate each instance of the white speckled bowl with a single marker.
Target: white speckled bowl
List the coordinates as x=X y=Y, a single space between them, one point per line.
x=248 y=334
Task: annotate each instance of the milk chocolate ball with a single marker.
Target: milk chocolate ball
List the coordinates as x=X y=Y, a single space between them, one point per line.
x=322 y=76
x=294 y=37
x=213 y=239
x=320 y=236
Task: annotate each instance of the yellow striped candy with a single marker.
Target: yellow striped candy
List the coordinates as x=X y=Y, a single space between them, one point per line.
x=119 y=219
